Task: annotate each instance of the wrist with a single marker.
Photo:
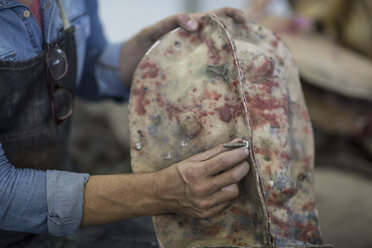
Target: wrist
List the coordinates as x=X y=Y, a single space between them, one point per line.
x=168 y=189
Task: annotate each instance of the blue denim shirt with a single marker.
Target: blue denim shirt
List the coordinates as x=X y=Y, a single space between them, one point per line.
x=52 y=201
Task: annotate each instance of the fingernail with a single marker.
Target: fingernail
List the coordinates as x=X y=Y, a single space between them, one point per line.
x=246 y=151
x=229 y=187
x=192 y=25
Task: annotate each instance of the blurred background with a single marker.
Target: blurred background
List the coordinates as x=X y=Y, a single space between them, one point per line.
x=332 y=44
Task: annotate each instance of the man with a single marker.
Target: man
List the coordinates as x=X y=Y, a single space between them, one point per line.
x=47 y=48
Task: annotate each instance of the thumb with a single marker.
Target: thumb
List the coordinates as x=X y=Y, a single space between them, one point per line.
x=186 y=22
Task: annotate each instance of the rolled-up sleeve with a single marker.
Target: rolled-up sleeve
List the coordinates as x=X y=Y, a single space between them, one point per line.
x=101 y=78
x=36 y=201
x=65 y=198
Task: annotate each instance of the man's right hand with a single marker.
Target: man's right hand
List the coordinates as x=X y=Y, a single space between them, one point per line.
x=199 y=187
x=204 y=184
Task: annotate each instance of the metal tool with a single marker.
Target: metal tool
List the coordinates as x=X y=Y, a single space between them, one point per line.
x=245 y=143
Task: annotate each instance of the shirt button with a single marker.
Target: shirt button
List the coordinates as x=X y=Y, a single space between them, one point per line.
x=26 y=13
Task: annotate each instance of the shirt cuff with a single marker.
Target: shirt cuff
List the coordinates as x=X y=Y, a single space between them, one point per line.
x=107 y=74
x=65 y=198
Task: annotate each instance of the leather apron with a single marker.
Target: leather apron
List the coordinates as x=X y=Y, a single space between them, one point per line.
x=29 y=134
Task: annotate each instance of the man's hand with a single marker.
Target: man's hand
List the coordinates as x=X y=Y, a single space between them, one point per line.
x=204 y=184
x=135 y=48
x=199 y=187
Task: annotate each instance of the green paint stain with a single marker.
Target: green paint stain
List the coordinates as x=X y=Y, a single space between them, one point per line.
x=267 y=158
x=218 y=70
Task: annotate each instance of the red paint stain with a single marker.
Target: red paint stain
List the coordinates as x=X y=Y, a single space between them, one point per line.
x=238 y=110
x=213 y=231
x=183 y=33
x=151 y=71
x=194 y=39
x=308 y=206
x=268 y=169
x=213 y=95
x=262 y=75
x=285 y=229
x=203 y=113
x=307 y=129
x=308 y=232
x=159 y=99
x=267 y=187
x=305 y=115
x=140 y=93
x=259 y=108
x=290 y=191
x=213 y=51
x=216 y=96
x=206 y=94
x=172 y=110
x=168 y=51
x=259 y=68
x=194 y=90
x=274 y=43
x=211 y=112
x=225 y=113
x=236 y=211
x=266 y=69
x=234 y=84
x=308 y=161
x=264 y=151
x=200 y=29
x=285 y=155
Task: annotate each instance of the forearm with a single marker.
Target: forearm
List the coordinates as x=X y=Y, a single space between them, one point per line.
x=40 y=202
x=131 y=53
x=109 y=198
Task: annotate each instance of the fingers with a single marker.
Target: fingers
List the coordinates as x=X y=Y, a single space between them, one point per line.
x=225 y=160
x=212 y=152
x=182 y=20
x=186 y=22
x=227 y=193
x=230 y=177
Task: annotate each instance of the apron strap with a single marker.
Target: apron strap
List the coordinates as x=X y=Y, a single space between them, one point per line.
x=62 y=12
